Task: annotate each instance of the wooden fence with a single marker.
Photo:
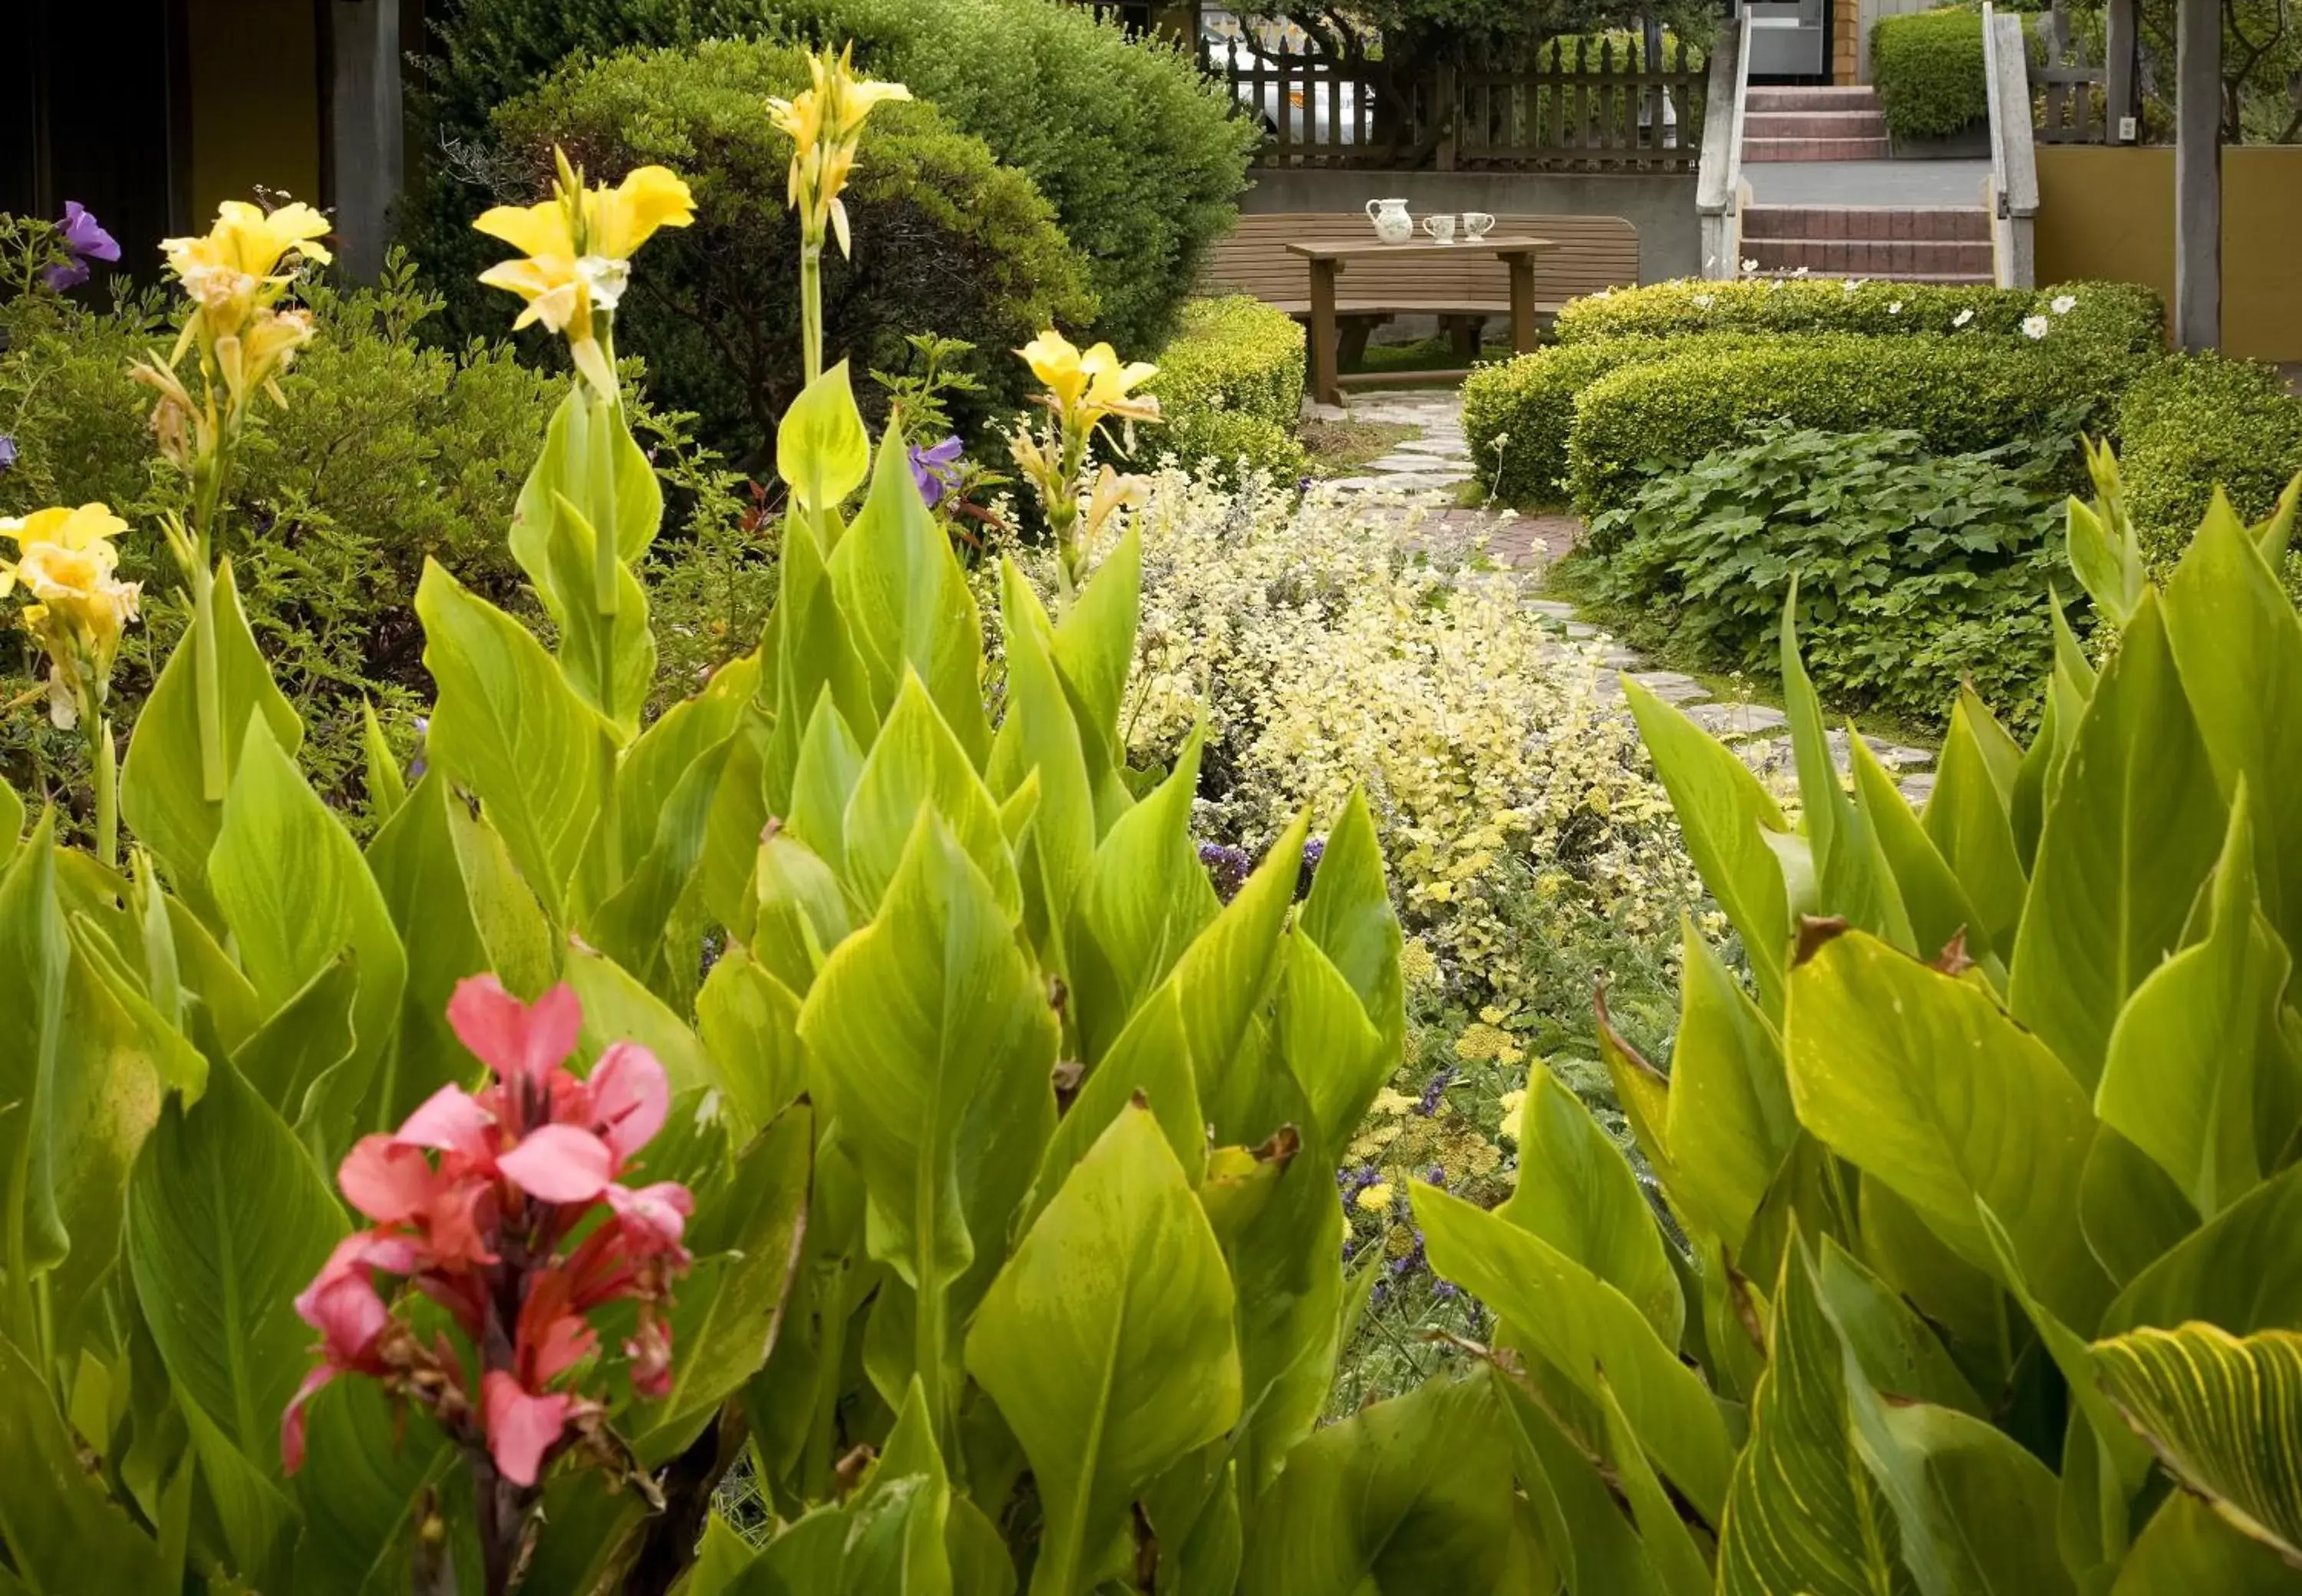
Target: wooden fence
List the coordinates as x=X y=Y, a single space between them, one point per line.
x=2066 y=87
x=1578 y=104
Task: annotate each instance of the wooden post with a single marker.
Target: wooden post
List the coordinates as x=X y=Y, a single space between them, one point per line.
x=1522 y=299
x=364 y=130
x=2118 y=66
x=1446 y=109
x=2197 y=174
x=1324 y=388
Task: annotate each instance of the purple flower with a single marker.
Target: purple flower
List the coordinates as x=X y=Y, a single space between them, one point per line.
x=7 y=451
x=86 y=240
x=417 y=766
x=1227 y=866
x=1432 y=1092
x=935 y=468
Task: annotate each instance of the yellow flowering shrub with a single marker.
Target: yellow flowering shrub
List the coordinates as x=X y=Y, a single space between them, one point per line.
x=1342 y=640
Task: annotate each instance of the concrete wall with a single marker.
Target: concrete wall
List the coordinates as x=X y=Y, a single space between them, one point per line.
x=2110 y=212
x=1661 y=206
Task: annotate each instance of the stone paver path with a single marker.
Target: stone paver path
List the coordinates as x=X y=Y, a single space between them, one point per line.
x=1438 y=463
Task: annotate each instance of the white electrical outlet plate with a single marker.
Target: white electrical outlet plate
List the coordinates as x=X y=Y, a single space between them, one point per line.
x=2126 y=130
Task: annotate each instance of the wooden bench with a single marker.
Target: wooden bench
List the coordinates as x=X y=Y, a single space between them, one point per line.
x=1590 y=253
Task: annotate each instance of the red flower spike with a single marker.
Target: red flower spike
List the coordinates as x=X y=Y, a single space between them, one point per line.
x=520 y=1042
x=560 y=1163
x=521 y=1425
x=630 y=1098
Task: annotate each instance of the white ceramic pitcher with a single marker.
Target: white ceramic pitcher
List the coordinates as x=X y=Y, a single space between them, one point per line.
x=1392 y=225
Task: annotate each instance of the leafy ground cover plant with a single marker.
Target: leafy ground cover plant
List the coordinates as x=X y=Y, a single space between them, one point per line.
x=1912 y=569
x=1970 y=1281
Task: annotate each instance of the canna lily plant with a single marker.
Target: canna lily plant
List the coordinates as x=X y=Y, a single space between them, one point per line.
x=829 y=1079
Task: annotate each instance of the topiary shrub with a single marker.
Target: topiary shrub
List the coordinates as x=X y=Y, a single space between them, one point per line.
x=1230 y=387
x=1928 y=69
x=1141 y=157
x=1959 y=394
x=2196 y=422
x=2110 y=318
x=948 y=238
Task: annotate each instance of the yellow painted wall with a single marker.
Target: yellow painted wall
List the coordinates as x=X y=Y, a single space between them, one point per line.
x=2110 y=212
x=254 y=70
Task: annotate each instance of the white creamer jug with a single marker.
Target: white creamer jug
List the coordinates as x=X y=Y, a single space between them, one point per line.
x=1392 y=225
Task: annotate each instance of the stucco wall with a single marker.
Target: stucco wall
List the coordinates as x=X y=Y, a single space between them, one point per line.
x=2110 y=212
x=1661 y=206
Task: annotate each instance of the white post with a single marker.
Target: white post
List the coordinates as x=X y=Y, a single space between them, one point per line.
x=2197 y=174
x=365 y=130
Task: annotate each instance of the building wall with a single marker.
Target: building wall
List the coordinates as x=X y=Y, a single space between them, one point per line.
x=2107 y=212
x=1661 y=207
x=252 y=70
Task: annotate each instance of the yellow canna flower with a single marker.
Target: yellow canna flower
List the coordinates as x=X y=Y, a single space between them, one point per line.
x=574 y=252
x=1087 y=387
x=77 y=609
x=1112 y=383
x=826 y=124
x=1055 y=360
x=234 y=274
x=248 y=240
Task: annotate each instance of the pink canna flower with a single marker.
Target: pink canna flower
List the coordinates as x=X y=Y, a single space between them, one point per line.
x=474 y=1201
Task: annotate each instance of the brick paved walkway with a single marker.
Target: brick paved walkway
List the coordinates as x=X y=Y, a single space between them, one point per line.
x=1437 y=463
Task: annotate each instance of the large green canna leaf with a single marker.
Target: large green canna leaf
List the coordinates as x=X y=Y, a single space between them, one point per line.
x=1411 y=1494
x=306 y=1040
x=63 y=1536
x=632 y=926
x=611 y=669
x=1729 y=1124
x=1725 y=813
x=1223 y=980
x=1040 y=733
x=1340 y=1059
x=1107 y=1343
x=292 y=885
x=829 y=765
x=1576 y=1515
x=229 y=1219
x=1968 y=817
x=2107 y=556
x=34 y=954
x=905 y=1521
x=617 y=1008
x=510 y=728
x=1854 y=876
x=931 y=1042
x=2131 y=1211
x=748 y=1021
x=1349 y=914
x=653 y=767
x=160 y=784
x=1145 y=897
x=1152 y=1061
x=461 y=908
x=821 y=451
x=799 y=911
x=907 y=604
x=1921 y=1080
x=2239 y=644
x=1584 y=1327
x=2224 y=1415
x=918 y=765
x=1094 y=650
x=2181 y=1080
x=1805 y=1517
x=2130 y=831
x=2187 y=1547
x=746 y=1242
x=1576 y=1192
x=1678 y=1560
x=2237 y=1270
x=1896 y=1351
x=1939 y=911
x=365 y=1467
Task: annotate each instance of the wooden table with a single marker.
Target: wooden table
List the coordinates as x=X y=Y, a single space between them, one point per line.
x=1328 y=260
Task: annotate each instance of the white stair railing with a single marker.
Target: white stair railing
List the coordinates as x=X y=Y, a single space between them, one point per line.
x=2012 y=194
x=1719 y=192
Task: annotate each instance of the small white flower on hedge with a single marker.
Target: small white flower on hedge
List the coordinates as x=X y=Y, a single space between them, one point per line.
x=2064 y=304
x=1705 y=301
x=2035 y=326
x=1499 y=441
x=1896 y=308
x=1850 y=284
x=1963 y=317
x=1799 y=273
x=1749 y=268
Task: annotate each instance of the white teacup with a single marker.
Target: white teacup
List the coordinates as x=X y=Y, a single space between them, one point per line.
x=1477 y=225
x=1441 y=228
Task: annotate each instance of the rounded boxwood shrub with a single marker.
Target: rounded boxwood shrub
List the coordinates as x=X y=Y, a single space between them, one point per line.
x=946 y=238
x=1141 y=156
x=1958 y=395
x=1230 y=387
x=2113 y=317
x=2192 y=422
x=1928 y=69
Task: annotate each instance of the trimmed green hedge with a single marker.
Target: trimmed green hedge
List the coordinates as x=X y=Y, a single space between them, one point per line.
x=1518 y=414
x=1230 y=387
x=2195 y=421
x=1959 y=394
x=1928 y=70
x=2111 y=317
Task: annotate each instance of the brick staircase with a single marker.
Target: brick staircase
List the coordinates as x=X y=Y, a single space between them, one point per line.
x=1911 y=243
x=1814 y=124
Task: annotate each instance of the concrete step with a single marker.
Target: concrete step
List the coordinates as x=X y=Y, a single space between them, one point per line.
x=1944 y=279
x=1815 y=149
x=1940 y=224
x=1915 y=258
x=1857 y=97
x=1814 y=124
